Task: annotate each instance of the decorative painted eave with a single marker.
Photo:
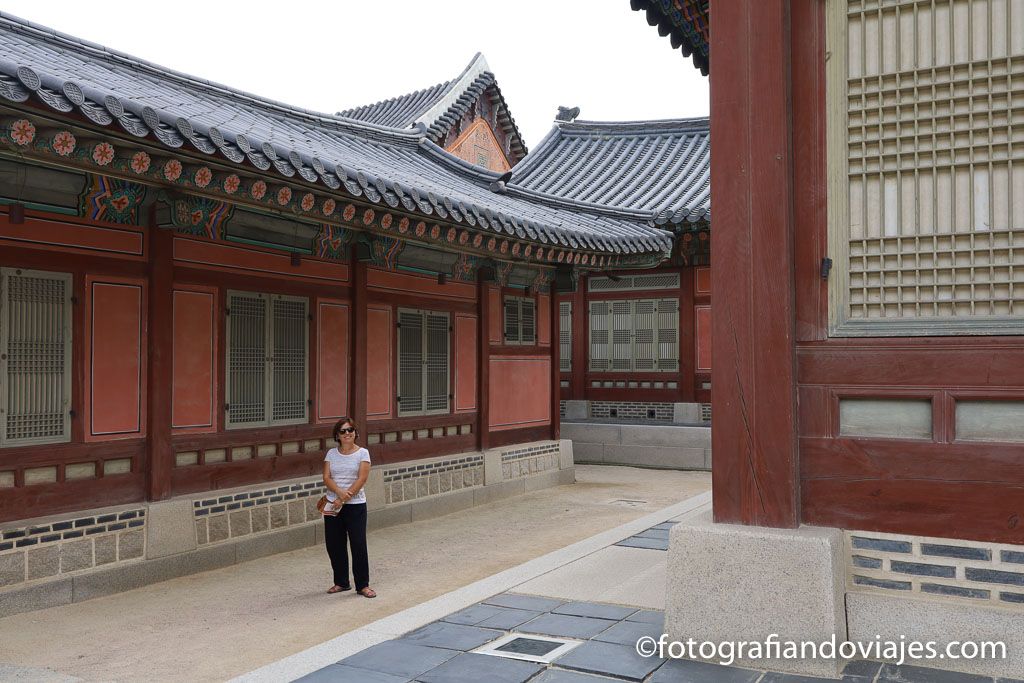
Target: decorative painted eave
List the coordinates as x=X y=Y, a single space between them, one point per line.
x=685 y=22
x=314 y=156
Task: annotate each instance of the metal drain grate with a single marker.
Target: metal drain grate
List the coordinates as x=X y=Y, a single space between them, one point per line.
x=532 y=648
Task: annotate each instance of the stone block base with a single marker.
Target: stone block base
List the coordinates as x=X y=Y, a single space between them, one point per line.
x=739 y=583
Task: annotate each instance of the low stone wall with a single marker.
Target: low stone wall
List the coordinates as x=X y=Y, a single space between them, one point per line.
x=74 y=557
x=647 y=445
x=674 y=413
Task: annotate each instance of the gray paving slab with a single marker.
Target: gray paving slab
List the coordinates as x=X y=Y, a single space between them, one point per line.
x=473 y=615
x=508 y=619
x=628 y=632
x=531 y=602
x=776 y=677
x=688 y=671
x=563 y=676
x=649 y=543
x=664 y=525
x=474 y=668
x=648 y=616
x=597 y=610
x=654 y=533
x=339 y=673
x=861 y=671
x=620 y=661
x=565 y=625
x=451 y=636
x=905 y=673
x=398 y=658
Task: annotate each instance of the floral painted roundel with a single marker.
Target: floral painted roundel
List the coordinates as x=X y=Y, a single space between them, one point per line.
x=64 y=143
x=329 y=206
x=368 y=216
x=435 y=231
x=403 y=225
x=349 y=212
x=172 y=171
x=421 y=229
x=464 y=237
x=284 y=195
x=308 y=201
x=140 y=162
x=478 y=240
x=23 y=132
x=103 y=153
x=386 y=220
x=202 y=177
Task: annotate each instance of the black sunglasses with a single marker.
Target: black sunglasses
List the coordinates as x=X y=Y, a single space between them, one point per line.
x=347 y=430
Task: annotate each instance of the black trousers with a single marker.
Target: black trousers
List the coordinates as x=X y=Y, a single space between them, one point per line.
x=350 y=523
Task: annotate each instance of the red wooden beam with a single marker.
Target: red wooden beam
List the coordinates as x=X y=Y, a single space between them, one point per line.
x=755 y=476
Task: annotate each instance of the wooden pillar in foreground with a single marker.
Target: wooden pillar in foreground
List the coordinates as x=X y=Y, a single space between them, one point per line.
x=755 y=471
x=160 y=363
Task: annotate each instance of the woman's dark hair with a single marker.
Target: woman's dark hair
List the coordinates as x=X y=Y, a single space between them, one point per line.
x=341 y=423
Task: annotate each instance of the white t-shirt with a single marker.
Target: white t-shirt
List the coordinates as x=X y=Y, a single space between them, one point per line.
x=345 y=471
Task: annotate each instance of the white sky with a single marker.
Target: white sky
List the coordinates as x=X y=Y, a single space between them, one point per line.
x=327 y=56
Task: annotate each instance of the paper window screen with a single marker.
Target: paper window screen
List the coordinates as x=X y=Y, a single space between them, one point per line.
x=410 y=362
x=565 y=336
x=622 y=335
x=289 y=391
x=512 y=320
x=436 y=368
x=600 y=335
x=247 y=359
x=528 y=318
x=644 y=323
x=668 y=335
x=35 y=357
x=926 y=140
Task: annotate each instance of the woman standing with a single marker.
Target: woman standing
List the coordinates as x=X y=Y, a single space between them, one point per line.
x=346 y=469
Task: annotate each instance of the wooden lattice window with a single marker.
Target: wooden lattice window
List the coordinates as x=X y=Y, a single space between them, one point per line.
x=520 y=320
x=925 y=144
x=35 y=357
x=565 y=336
x=634 y=334
x=424 y=362
x=267 y=360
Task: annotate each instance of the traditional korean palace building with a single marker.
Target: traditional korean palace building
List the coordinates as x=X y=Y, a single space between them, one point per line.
x=198 y=282
x=869 y=359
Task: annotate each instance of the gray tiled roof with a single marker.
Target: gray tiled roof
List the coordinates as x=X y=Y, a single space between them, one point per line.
x=384 y=165
x=438 y=108
x=657 y=169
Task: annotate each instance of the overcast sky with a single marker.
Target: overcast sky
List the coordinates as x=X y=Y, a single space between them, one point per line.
x=327 y=56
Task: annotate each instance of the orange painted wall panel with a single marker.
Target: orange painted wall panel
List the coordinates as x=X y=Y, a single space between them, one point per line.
x=465 y=363
x=332 y=360
x=520 y=392
x=497 y=314
x=379 y=363
x=543 y=319
x=702 y=277
x=116 y=374
x=194 y=383
x=703 y=328
x=408 y=283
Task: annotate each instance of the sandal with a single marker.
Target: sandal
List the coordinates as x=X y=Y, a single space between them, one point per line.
x=367 y=592
x=338 y=589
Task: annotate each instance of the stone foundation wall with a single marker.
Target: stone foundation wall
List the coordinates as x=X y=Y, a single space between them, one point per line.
x=936 y=568
x=69 y=558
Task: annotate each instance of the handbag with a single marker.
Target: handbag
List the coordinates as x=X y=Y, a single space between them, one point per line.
x=327 y=507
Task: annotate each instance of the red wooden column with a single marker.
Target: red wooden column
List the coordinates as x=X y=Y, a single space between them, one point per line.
x=687 y=338
x=580 y=339
x=755 y=472
x=556 y=352
x=161 y=355
x=484 y=359
x=360 y=342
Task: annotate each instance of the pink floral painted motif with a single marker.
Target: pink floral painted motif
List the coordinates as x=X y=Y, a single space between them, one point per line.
x=120 y=202
x=540 y=253
x=435 y=231
x=403 y=225
x=23 y=132
x=491 y=243
x=504 y=247
x=386 y=220
x=232 y=183
x=561 y=256
x=329 y=206
x=528 y=250
x=172 y=170
x=64 y=143
x=368 y=216
x=515 y=249
x=203 y=177
x=308 y=201
x=421 y=229
x=140 y=162
x=478 y=240
x=452 y=232
x=464 y=237
x=284 y=195
x=586 y=259
x=349 y=213
x=258 y=189
x=103 y=153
